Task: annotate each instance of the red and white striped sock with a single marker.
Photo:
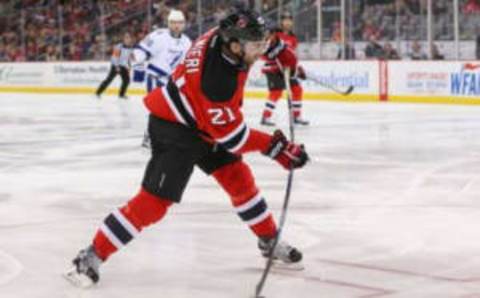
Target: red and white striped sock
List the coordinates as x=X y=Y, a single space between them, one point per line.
x=124 y=224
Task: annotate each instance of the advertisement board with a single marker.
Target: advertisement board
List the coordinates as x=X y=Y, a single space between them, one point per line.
x=363 y=75
x=397 y=81
x=53 y=77
x=434 y=81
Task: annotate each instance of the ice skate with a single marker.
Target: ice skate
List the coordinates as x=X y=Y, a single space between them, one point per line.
x=301 y=122
x=85 y=270
x=267 y=122
x=284 y=255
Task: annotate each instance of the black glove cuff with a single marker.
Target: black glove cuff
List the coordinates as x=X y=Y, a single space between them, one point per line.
x=277 y=145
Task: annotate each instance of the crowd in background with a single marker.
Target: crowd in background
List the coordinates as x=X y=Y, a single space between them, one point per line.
x=84 y=29
x=74 y=30
x=381 y=23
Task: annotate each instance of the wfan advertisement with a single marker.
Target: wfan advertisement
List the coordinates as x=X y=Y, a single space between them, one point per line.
x=442 y=82
x=466 y=82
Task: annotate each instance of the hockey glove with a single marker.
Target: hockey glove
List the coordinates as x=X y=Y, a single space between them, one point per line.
x=287 y=154
x=300 y=73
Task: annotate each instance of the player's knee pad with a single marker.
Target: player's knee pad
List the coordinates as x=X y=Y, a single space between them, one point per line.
x=145 y=209
x=297 y=92
x=274 y=95
x=238 y=181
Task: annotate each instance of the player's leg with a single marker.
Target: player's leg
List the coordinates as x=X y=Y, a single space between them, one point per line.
x=154 y=82
x=238 y=181
x=151 y=83
x=297 y=98
x=236 y=178
x=174 y=151
x=276 y=84
x=117 y=230
x=150 y=86
x=165 y=179
x=111 y=75
x=125 y=82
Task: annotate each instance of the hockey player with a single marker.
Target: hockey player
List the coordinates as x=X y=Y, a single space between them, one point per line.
x=276 y=83
x=158 y=55
x=196 y=119
x=160 y=52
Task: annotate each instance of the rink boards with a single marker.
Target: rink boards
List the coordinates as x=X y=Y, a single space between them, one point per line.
x=374 y=81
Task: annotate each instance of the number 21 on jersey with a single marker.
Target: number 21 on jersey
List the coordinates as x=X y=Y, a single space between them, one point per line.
x=221 y=116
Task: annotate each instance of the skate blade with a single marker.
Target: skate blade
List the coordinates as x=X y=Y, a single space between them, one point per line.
x=281 y=266
x=77 y=279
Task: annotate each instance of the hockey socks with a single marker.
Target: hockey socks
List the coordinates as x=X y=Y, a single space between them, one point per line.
x=254 y=212
x=122 y=225
x=237 y=180
x=274 y=96
x=271 y=103
x=297 y=94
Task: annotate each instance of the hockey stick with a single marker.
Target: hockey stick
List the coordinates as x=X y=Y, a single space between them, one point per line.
x=330 y=87
x=288 y=191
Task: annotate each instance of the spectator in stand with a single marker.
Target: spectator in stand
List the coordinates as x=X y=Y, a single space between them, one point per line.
x=417 y=52
x=3 y=53
x=31 y=51
x=373 y=50
x=436 y=55
x=389 y=53
x=370 y=30
x=336 y=32
x=51 y=53
x=478 y=43
x=74 y=52
x=471 y=7
x=14 y=54
x=349 y=51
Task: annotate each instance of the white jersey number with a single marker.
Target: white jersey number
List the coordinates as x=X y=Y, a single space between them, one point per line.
x=221 y=116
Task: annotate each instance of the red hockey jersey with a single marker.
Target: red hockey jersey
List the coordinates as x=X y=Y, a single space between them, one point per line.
x=285 y=41
x=191 y=96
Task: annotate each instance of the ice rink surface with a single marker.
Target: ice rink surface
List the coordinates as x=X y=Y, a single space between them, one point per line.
x=389 y=206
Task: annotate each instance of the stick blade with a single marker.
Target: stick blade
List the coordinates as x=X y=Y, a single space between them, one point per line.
x=349 y=90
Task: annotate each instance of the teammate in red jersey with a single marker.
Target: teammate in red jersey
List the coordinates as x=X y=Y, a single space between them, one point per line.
x=196 y=120
x=273 y=71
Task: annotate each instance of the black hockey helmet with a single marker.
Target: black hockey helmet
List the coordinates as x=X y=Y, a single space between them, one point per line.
x=243 y=25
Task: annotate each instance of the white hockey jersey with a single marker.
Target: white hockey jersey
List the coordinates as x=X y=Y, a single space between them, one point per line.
x=159 y=53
